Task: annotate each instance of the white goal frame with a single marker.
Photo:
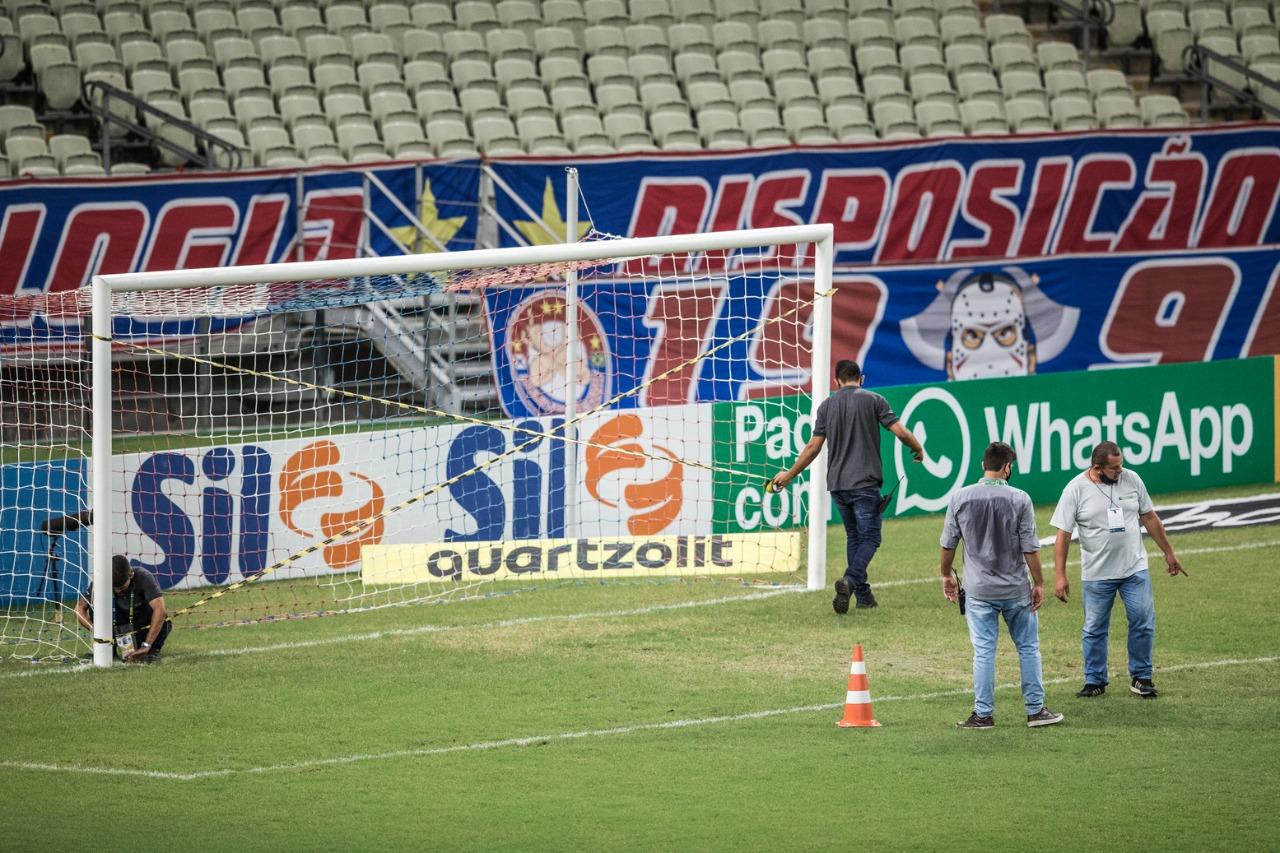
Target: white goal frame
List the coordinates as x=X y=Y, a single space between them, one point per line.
x=103 y=286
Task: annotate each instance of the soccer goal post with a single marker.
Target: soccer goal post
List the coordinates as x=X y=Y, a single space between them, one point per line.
x=290 y=446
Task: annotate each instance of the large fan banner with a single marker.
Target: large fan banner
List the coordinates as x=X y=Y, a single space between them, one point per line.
x=905 y=324
x=55 y=235
x=958 y=200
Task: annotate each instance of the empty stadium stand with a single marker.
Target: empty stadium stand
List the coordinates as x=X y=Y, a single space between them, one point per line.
x=298 y=82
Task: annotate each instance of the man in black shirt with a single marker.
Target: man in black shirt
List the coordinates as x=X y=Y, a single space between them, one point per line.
x=139 y=611
x=849 y=421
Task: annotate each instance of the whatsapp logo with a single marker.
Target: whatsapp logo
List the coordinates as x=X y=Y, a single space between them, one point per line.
x=938 y=421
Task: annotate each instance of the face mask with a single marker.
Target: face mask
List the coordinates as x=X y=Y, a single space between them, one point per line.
x=1104 y=478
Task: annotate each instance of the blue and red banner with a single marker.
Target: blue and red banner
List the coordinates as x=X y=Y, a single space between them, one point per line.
x=56 y=235
x=957 y=200
x=906 y=324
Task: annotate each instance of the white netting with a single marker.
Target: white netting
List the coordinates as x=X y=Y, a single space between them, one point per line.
x=284 y=450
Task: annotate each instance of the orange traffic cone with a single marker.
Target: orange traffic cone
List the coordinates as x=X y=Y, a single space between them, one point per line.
x=857 y=704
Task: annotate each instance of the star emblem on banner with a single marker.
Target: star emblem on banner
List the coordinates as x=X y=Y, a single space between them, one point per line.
x=536 y=235
x=429 y=215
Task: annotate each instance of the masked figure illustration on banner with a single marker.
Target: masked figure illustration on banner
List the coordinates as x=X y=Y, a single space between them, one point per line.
x=984 y=324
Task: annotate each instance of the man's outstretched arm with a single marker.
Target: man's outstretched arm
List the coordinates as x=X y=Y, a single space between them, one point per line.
x=804 y=460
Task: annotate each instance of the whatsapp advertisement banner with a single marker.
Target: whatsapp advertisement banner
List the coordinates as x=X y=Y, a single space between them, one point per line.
x=1180 y=426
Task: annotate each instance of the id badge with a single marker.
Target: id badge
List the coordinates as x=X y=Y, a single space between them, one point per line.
x=1115 y=519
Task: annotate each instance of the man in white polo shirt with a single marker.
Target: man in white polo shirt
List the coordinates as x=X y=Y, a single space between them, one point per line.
x=1105 y=505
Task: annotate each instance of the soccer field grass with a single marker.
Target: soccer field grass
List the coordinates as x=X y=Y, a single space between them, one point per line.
x=665 y=716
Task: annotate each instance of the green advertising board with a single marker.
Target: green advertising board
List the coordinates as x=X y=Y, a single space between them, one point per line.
x=1181 y=426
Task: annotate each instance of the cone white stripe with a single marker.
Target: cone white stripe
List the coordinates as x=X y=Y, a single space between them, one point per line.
x=858 y=697
x=858 y=668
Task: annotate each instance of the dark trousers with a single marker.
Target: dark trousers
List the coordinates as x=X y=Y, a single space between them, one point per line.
x=860 y=510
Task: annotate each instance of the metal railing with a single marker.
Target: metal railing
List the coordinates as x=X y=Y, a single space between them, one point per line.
x=98 y=97
x=1196 y=60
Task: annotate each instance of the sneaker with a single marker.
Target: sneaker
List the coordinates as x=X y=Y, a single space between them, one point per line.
x=1043 y=717
x=841 y=602
x=1091 y=690
x=867 y=603
x=976 y=722
x=1144 y=688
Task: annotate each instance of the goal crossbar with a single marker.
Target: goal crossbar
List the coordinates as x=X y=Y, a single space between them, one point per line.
x=820 y=235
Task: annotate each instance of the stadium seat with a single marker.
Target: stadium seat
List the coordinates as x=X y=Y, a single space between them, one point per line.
x=1065 y=83
x=1013 y=56
x=1006 y=29
x=1125 y=26
x=784 y=64
x=819 y=32
x=695 y=68
x=922 y=58
x=1170 y=36
x=892 y=118
x=621 y=98
x=1072 y=113
x=1105 y=81
x=785 y=11
x=885 y=89
x=828 y=10
x=964 y=58
x=796 y=92
x=872 y=9
x=775 y=34
x=979 y=85
x=1162 y=111
x=878 y=61
x=840 y=91
x=1260 y=49
x=938 y=119
x=915 y=30
x=929 y=86
x=60 y=84
x=1117 y=111
x=962 y=29
x=871 y=32
x=1028 y=115
x=959 y=9
x=739 y=65
x=1055 y=55
x=1023 y=84
x=647 y=38
x=983 y=118
x=915 y=8
x=746 y=93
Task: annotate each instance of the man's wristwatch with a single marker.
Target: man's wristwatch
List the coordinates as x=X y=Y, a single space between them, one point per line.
x=146 y=645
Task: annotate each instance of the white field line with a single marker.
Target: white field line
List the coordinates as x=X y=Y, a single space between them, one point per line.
x=481 y=746
x=565 y=617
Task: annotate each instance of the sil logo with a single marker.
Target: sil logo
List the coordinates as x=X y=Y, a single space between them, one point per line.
x=310 y=475
x=939 y=422
x=653 y=502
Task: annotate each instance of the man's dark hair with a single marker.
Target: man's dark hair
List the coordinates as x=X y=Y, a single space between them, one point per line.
x=119 y=570
x=847 y=371
x=1103 y=451
x=997 y=455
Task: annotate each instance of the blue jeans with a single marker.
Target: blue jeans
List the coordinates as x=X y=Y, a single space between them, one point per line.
x=1139 y=607
x=1024 y=628
x=860 y=510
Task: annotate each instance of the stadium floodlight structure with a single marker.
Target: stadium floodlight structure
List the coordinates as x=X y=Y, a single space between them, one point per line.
x=200 y=319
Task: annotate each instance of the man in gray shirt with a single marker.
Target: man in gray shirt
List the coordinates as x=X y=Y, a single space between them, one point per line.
x=850 y=421
x=998 y=526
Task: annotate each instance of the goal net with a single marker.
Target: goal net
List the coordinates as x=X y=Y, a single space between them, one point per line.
x=302 y=439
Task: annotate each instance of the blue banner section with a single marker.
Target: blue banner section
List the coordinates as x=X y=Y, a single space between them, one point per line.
x=907 y=324
x=36 y=566
x=56 y=235
x=982 y=197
